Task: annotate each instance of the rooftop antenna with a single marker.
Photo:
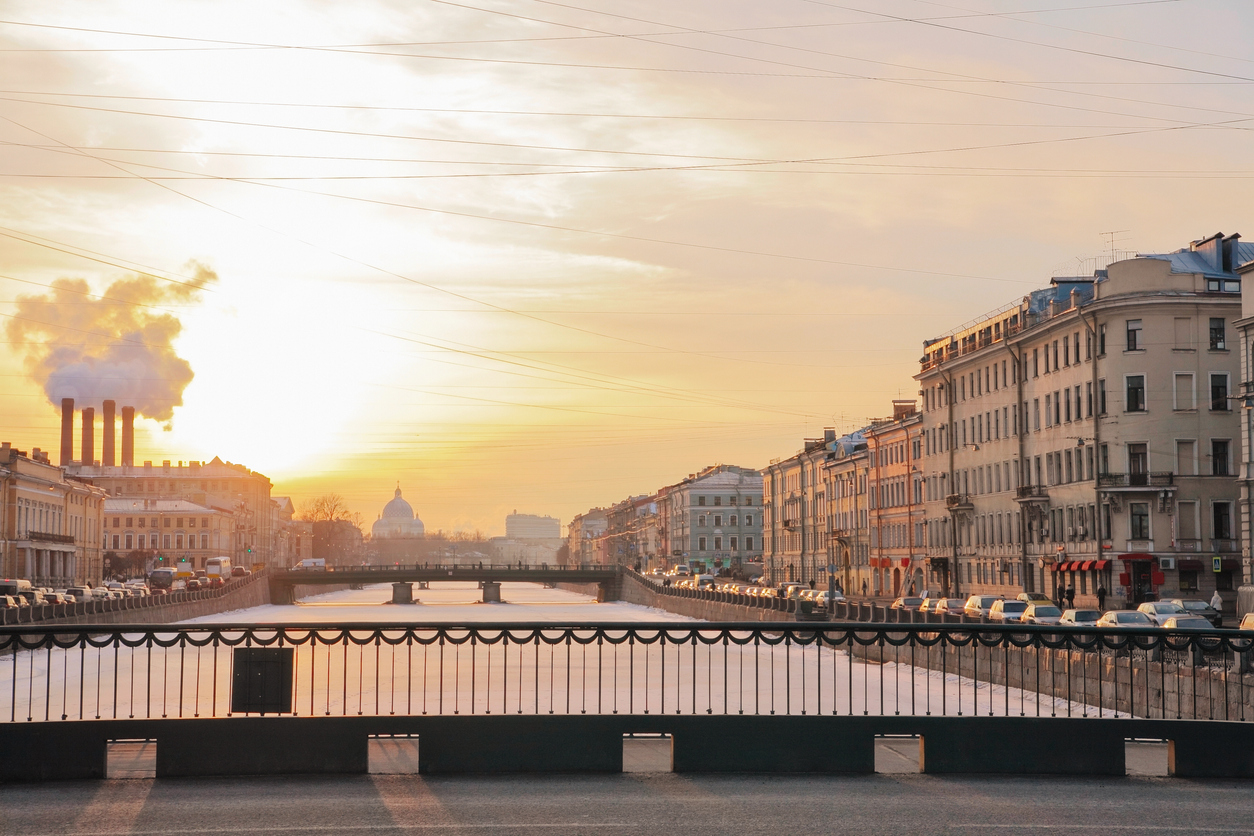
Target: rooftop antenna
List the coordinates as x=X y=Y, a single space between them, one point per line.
x=1111 y=241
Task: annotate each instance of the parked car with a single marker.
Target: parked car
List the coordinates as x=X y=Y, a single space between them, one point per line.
x=978 y=605
x=1247 y=622
x=193 y=584
x=950 y=605
x=34 y=597
x=793 y=589
x=56 y=598
x=1160 y=611
x=1080 y=618
x=1041 y=613
x=1124 y=618
x=80 y=593
x=823 y=598
x=1007 y=612
x=1187 y=622
x=1034 y=597
x=7 y=602
x=906 y=603
x=1201 y=608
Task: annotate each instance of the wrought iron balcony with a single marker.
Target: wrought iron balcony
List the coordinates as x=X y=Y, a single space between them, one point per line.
x=1136 y=480
x=1031 y=493
x=959 y=502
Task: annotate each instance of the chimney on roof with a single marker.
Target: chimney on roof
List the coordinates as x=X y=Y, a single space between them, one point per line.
x=67 y=431
x=88 y=454
x=829 y=434
x=106 y=442
x=128 y=436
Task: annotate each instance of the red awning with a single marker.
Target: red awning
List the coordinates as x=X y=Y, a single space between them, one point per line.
x=1100 y=565
x=1087 y=565
x=1231 y=564
x=1190 y=565
x=1063 y=567
x=1136 y=557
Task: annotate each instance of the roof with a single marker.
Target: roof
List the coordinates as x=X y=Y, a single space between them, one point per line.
x=117 y=505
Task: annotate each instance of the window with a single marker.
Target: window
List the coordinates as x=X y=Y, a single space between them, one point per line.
x=142 y=523
x=748 y=521
x=116 y=520
x=718 y=520
x=165 y=541
x=117 y=540
x=1101 y=339
x=718 y=500
x=1188 y=580
x=191 y=522
x=1101 y=397
x=1135 y=392
x=1036 y=363
x=1182 y=396
x=129 y=541
x=718 y=543
x=700 y=544
x=1186 y=461
x=165 y=523
x=1218 y=285
x=732 y=520
x=1219 y=392
x=1139 y=521
x=700 y=500
x=732 y=545
x=1219 y=457
x=1138 y=459
x=1221 y=513
x=204 y=522
x=748 y=544
x=701 y=520
x=1134 y=335
x=129 y=522
x=1088 y=400
x=180 y=523
x=1066 y=352
x=1036 y=413
x=178 y=540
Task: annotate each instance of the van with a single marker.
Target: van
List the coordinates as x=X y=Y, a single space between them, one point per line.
x=682 y=569
x=311 y=564
x=14 y=586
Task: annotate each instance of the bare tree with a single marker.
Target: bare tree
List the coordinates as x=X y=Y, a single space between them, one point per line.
x=329 y=506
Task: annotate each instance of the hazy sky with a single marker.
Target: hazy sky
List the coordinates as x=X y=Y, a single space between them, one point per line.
x=540 y=256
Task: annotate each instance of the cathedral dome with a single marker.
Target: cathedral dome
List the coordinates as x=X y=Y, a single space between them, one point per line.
x=398 y=520
x=398 y=508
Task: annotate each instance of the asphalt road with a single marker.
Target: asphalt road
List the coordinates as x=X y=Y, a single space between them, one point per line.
x=634 y=804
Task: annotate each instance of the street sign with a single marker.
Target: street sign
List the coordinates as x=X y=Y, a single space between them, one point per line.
x=1217 y=563
x=831 y=568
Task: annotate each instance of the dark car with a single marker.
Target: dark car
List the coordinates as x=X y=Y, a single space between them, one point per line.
x=239 y=572
x=193 y=584
x=1202 y=609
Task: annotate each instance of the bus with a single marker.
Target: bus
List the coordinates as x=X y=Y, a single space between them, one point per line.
x=218 y=567
x=161 y=578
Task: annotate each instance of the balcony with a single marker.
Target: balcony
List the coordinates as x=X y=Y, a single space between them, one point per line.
x=1136 y=481
x=1031 y=493
x=959 y=502
x=48 y=537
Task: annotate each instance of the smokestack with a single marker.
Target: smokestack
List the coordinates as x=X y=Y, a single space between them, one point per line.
x=88 y=454
x=106 y=446
x=67 y=431
x=128 y=436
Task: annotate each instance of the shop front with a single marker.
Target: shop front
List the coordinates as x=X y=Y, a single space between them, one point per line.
x=1140 y=579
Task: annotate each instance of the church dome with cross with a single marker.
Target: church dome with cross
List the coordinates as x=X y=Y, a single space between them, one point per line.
x=398 y=520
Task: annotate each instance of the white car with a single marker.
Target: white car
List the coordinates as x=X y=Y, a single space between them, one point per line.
x=1007 y=612
x=978 y=605
x=1041 y=613
x=1080 y=618
x=1160 y=611
x=1124 y=618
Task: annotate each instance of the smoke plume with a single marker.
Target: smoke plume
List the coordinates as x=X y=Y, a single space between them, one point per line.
x=116 y=346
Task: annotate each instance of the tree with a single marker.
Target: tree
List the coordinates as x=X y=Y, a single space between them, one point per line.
x=329 y=506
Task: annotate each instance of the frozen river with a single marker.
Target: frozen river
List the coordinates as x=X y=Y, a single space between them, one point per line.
x=447 y=655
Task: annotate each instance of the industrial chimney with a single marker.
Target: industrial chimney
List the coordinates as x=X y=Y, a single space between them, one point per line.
x=106 y=446
x=128 y=436
x=88 y=454
x=67 y=431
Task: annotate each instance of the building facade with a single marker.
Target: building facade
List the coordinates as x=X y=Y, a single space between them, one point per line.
x=795 y=514
x=50 y=523
x=143 y=533
x=895 y=502
x=215 y=484
x=1085 y=436
x=714 y=518
x=847 y=475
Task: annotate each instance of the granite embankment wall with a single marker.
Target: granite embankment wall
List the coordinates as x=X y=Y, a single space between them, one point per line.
x=1170 y=684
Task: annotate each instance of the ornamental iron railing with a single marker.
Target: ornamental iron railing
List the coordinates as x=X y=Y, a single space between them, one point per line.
x=90 y=673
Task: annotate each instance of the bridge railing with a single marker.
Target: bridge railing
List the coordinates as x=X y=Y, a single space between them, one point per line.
x=384 y=568
x=815 y=669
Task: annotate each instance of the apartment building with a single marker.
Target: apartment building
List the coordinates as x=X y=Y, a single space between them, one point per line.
x=170 y=532
x=1084 y=436
x=714 y=517
x=846 y=476
x=50 y=523
x=895 y=502
x=795 y=514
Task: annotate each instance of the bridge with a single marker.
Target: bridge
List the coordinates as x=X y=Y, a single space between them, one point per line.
x=490 y=575
x=238 y=699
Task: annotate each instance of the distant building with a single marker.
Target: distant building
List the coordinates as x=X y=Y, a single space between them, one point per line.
x=215 y=484
x=50 y=522
x=143 y=533
x=531 y=527
x=397 y=521
x=585 y=537
x=714 y=517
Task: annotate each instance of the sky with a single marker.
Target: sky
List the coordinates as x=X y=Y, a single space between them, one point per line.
x=538 y=256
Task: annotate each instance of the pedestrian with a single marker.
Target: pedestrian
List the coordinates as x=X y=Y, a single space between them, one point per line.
x=1070 y=597
x=812 y=583
x=1062 y=595
x=864 y=588
x=1216 y=602
x=1101 y=598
